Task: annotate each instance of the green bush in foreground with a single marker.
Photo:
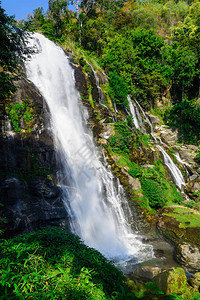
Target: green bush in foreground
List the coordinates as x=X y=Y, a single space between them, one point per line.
x=55 y=264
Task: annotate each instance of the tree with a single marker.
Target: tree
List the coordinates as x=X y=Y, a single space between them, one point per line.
x=57 y=8
x=38 y=16
x=13 y=51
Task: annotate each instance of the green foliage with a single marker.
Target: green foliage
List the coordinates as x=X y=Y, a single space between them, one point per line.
x=57 y=9
x=120 y=142
x=156 y=189
x=153 y=191
x=54 y=264
x=118 y=90
x=185 y=116
x=18 y=112
x=197 y=157
x=135 y=170
x=149 y=49
x=12 y=52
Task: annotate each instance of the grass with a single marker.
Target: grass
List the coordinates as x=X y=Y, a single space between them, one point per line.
x=186 y=216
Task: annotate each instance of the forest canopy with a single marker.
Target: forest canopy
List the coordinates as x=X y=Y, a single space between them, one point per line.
x=151 y=49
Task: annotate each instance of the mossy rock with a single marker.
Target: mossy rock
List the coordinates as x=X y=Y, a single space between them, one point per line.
x=189 y=256
x=142 y=289
x=174 y=282
x=180 y=224
x=195 y=280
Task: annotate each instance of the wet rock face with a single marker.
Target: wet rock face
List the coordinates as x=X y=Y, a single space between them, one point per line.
x=195 y=281
x=28 y=167
x=29 y=206
x=193 y=186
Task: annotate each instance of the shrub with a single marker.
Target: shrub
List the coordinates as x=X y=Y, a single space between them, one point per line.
x=118 y=90
x=186 y=117
x=120 y=142
x=55 y=264
x=153 y=191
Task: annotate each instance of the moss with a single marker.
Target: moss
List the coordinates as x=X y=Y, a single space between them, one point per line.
x=18 y=112
x=179 y=231
x=174 y=282
x=186 y=216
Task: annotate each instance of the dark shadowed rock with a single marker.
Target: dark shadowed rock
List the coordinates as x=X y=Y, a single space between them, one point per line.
x=148 y=272
x=28 y=165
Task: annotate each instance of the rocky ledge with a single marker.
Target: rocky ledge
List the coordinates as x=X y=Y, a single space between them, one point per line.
x=181 y=225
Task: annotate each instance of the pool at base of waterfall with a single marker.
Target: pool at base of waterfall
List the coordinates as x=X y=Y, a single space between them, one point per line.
x=162 y=256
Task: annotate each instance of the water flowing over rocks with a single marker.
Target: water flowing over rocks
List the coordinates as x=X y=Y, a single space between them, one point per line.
x=94 y=199
x=34 y=200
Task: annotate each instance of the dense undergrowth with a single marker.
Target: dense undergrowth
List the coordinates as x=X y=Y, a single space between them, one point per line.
x=54 y=264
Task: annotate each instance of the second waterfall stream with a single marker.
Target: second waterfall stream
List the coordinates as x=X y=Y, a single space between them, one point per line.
x=94 y=203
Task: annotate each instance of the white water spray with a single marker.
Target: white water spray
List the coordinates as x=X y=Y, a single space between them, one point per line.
x=94 y=203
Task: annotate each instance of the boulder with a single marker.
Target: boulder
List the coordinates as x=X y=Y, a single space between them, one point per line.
x=154 y=119
x=172 y=281
x=108 y=131
x=193 y=186
x=167 y=134
x=147 y=272
x=184 y=236
x=194 y=281
x=189 y=255
x=134 y=182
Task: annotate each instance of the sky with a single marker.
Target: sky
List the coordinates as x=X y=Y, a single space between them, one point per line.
x=21 y=8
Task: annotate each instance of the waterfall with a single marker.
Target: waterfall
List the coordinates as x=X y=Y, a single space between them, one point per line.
x=93 y=200
x=97 y=84
x=133 y=113
x=173 y=169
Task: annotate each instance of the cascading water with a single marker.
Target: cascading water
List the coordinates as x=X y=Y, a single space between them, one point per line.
x=176 y=173
x=173 y=169
x=97 y=84
x=93 y=201
x=133 y=113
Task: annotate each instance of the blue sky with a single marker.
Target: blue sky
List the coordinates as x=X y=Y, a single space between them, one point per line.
x=21 y=8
